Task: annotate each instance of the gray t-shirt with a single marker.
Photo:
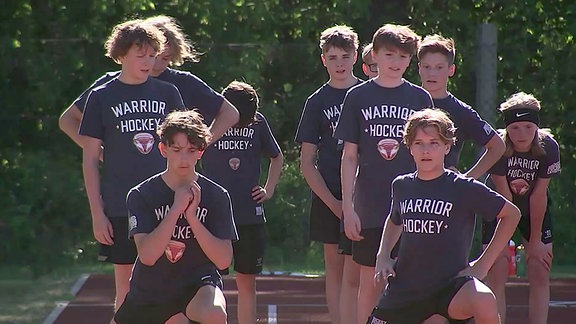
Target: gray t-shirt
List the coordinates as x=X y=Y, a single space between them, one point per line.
x=373 y=117
x=125 y=117
x=469 y=126
x=174 y=272
x=437 y=218
x=234 y=163
x=317 y=125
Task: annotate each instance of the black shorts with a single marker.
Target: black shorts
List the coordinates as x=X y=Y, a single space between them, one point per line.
x=364 y=251
x=324 y=225
x=344 y=245
x=123 y=251
x=133 y=312
x=417 y=312
x=488 y=228
x=249 y=249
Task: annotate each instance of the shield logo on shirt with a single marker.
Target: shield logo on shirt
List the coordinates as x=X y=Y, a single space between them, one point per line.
x=388 y=147
x=234 y=163
x=144 y=142
x=174 y=251
x=519 y=186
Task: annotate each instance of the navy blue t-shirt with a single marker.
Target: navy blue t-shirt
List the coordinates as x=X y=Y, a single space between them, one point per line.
x=125 y=117
x=522 y=169
x=195 y=92
x=317 y=125
x=174 y=272
x=234 y=163
x=469 y=126
x=373 y=117
x=437 y=218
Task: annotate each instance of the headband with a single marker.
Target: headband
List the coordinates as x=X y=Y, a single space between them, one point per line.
x=521 y=114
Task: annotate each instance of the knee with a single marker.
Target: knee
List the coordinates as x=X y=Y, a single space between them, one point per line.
x=537 y=273
x=486 y=308
x=216 y=315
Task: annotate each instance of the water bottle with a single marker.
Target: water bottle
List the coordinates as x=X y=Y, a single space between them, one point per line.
x=511 y=258
x=520 y=261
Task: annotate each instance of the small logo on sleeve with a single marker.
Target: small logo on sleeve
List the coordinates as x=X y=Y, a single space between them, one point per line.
x=554 y=168
x=132 y=222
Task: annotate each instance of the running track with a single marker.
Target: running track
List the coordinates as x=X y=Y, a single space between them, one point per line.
x=292 y=300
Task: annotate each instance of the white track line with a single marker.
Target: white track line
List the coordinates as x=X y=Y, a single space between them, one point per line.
x=272 y=314
x=53 y=316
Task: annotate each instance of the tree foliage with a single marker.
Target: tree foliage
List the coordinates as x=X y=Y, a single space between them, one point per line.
x=53 y=49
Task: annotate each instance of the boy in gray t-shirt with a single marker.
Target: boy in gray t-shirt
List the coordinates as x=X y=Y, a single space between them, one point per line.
x=434 y=210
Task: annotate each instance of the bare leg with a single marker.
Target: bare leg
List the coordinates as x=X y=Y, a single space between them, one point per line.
x=476 y=300
x=368 y=293
x=122 y=274
x=539 y=298
x=349 y=291
x=334 y=263
x=496 y=280
x=246 y=298
x=208 y=306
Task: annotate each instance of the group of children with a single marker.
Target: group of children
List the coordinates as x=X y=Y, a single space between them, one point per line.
x=381 y=162
x=395 y=215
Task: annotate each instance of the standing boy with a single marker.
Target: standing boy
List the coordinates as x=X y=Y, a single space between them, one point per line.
x=436 y=65
x=183 y=226
x=234 y=163
x=217 y=112
x=434 y=210
x=122 y=115
x=371 y=126
x=320 y=155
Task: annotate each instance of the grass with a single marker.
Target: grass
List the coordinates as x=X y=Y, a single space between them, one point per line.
x=24 y=299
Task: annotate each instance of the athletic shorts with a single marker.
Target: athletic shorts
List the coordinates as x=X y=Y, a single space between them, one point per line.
x=324 y=225
x=132 y=312
x=249 y=249
x=364 y=251
x=123 y=251
x=416 y=312
x=344 y=245
x=488 y=228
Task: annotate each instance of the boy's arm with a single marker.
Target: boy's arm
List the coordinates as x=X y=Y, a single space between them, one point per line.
x=69 y=123
x=390 y=236
x=352 y=225
x=90 y=167
x=509 y=216
x=274 y=170
x=315 y=180
x=152 y=245
x=218 y=250
x=501 y=185
x=538 y=204
x=494 y=150
x=227 y=117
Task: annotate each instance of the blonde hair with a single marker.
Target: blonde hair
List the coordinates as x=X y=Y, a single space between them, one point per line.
x=430 y=117
x=181 y=47
x=522 y=100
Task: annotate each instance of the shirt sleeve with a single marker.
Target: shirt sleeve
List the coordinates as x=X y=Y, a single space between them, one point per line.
x=140 y=216
x=92 y=124
x=485 y=202
x=348 y=126
x=394 y=208
x=477 y=129
x=270 y=146
x=309 y=127
x=551 y=167
x=80 y=102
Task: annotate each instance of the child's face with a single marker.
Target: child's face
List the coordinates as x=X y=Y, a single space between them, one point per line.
x=339 y=63
x=369 y=67
x=428 y=150
x=522 y=134
x=434 y=71
x=392 y=63
x=162 y=61
x=137 y=63
x=180 y=155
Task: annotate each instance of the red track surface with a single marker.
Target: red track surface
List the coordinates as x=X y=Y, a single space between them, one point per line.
x=301 y=300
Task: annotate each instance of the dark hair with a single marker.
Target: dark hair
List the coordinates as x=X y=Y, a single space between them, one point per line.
x=396 y=36
x=134 y=32
x=245 y=99
x=188 y=122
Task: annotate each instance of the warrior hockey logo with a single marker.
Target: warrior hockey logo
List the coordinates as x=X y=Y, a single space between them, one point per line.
x=174 y=251
x=519 y=186
x=144 y=142
x=388 y=148
x=234 y=163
